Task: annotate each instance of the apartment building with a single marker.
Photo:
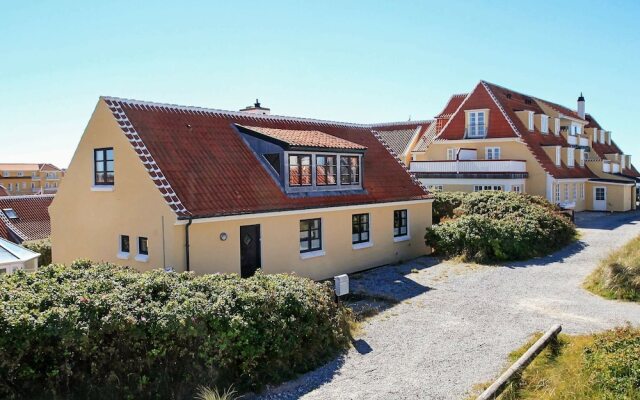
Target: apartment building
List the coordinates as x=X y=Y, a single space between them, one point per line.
x=24 y=179
x=495 y=138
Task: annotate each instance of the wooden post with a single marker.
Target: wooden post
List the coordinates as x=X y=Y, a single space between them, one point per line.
x=499 y=385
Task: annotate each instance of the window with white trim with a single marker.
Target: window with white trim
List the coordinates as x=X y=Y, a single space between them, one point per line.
x=492 y=153
x=544 y=123
x=531 y=125
x=20 y=173
x=558 y=157
x=435 y=188
x=516 y=188
x=576 y=129
x=125 y=245
x=582 y=191
x=452 y=154
x=556 y=189
x=480 y=188
x=476 y=124
x=575 y=191
x=5 y=174
x=570 y=157
x=566 y=192
x=602 y=136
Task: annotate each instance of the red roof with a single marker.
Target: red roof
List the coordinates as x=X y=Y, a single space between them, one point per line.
x=33 y=216
x=452 y=105
x=299 y=138
x=203 y=167
x=3 y=191
x=562 y=109
x=503 y=122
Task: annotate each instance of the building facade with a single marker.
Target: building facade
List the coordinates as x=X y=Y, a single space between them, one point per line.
x=494 y=138
x=26 y=179
x=164 y=186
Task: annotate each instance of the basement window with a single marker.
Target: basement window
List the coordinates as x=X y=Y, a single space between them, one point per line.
x=10 y=213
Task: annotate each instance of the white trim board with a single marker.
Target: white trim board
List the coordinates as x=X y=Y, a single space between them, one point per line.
x=301 y=212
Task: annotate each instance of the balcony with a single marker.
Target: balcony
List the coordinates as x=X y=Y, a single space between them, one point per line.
x=572 y=140
x=584 y=142
x=475 y=131
x=470 y=168
x=606 y=166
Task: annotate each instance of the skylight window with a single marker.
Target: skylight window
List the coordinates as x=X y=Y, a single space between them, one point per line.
x=10 y=213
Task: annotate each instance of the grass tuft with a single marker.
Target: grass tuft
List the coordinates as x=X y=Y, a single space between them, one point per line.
x=618 y=276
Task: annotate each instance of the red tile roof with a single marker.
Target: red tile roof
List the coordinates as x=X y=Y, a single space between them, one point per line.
x=452 y=105
x=562 y=109
x=33 y=216
x=601 y=149
x=301 y=138
x=202 y=166
x=3 y=191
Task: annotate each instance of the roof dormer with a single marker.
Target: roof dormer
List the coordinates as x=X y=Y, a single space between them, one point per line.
x=542 y=123
x=527 y=118
x=476 y=123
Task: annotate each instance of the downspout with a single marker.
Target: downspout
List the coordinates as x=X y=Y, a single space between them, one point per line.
x=187 y=241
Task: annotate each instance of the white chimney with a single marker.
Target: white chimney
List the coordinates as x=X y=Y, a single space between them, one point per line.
x=257 y=109
x=581 y=106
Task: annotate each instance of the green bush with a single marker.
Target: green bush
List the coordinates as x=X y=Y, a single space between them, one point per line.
x=499 y=226
x=444 y=204
x=103 y=331
x=40 y=246
x=613 y=363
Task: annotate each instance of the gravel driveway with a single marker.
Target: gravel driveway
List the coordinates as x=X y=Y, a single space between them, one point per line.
x=455 y=324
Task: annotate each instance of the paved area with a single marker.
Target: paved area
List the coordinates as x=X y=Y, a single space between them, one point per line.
x=455 y=324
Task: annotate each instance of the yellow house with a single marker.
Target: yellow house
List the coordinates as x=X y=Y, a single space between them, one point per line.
x=156 y=185
x=494 y=138
x=23 y=179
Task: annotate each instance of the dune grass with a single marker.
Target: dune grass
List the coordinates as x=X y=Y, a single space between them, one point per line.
x=589 y=367
x=618 y=275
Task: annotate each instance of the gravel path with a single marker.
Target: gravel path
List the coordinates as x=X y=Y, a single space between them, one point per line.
x=455 y=324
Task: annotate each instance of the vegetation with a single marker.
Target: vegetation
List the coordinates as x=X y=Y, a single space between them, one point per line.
x=618 y=276
x=40 y=246
x=497 y=226
x=104 y=331
x=602 y=366
x=205 y=393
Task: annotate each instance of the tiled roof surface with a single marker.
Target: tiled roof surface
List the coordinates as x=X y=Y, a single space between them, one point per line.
x=602 y=148
x=33 y=216
x=562 y=109
x=49 y=167
x=19 y=167
x=3 y=191
x=452 y=105
x=304 y=138
x=203 y=168
x=398 y=140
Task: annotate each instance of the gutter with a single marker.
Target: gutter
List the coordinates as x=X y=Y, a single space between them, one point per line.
x=187 y=242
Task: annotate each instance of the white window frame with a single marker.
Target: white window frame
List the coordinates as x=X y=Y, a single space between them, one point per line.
x=492 y=153
x=576 y=129
x=582 y=185
x=556 y=190
x=558 y=156
x=602 y=136
x=474 y=129
x=544 y=123
x=516 y=188
x=140 y=257
x=452 y=153
x=531 y=124
x=571 y=155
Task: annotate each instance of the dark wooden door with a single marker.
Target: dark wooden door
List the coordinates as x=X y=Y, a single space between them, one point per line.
x=249 y=250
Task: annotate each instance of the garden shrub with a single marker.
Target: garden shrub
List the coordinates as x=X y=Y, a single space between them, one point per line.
x=613 y=363
x=444 y=204
x=499 y=226
x=104 y=331
x=40 y=246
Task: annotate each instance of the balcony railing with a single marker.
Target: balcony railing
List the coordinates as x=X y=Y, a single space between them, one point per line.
x=606 y=166
x=615 y=168
x=469 y=166
x=584 y=142
x=475 y=131
x=572 y=140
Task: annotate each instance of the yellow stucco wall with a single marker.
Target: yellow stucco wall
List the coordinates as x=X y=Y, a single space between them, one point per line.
x=280 y=237
x=619 y=197
x=87 y=224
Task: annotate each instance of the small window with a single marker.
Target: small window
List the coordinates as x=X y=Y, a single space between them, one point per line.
x=400 y=223
x=299 y=170
x=476 y=124
x=273 y=160
x=310 y=235
x=531 y=126
x=544 y=124
x=557 y=192
x=124 y=244
x=566 y=192
x=493 y=153
x=20 y=173
x=600 y=194
x=349 y=170
x=326 y=173
x=143 y=246
x=452 y=154
x=435 y=188
x=570 y=157
x=5 y=174
x=10 y=213
x=103 y=166
x=359 y=228
x=516 y=188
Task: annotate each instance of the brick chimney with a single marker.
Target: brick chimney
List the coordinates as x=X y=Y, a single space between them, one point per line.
x=256 y=108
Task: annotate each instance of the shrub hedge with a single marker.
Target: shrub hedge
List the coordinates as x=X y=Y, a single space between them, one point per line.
x=498 y=226
x=104 y=331
x=40 y=246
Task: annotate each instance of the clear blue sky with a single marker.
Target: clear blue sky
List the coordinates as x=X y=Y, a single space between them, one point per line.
x=353 y=61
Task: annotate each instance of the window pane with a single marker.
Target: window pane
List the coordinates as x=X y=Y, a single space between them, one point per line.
x=304 y=234
x=109 y=154
x=355 y=238
x=99 y=167
x=304 y=225
x=109 y=165
x=99 y=155
x=365 y=236
x=315 y=223
x=315 y=244
x=304 y=245
x=396 y=231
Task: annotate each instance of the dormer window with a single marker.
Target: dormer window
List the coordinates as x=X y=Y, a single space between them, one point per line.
x=544 y=124
x=531 y=126
x=556 y=126
x=576 y=129
x=326 y=170
x=300 y=170
x=476 y=124
x=313 y=161
x=558 y=157
x=349 y=170
x=570 y=157
x=602 y=136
